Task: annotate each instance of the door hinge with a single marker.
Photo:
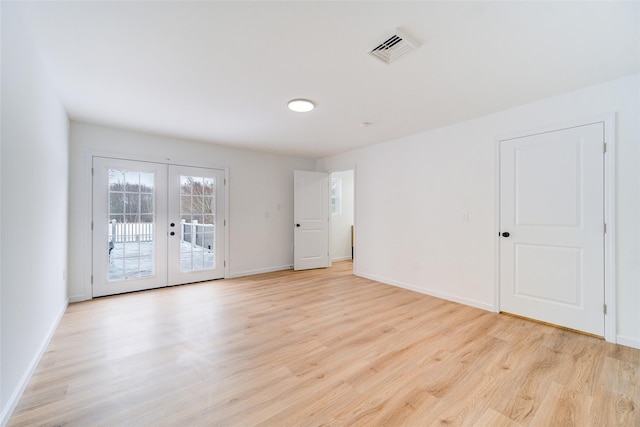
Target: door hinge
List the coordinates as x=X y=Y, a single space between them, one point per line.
x=225 y=181
x=91 y=225
x=225 y=263
x=225 y=223
x=605 y=147
x=92 y=279
x=604 y=308
x=605 y=228
x=92 y=172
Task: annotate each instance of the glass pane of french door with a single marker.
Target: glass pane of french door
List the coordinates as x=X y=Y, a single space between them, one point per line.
x=196 y=217
x=129 y=223
x=197 y=224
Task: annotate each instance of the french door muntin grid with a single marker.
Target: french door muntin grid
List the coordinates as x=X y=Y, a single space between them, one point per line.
x=131 y=224
x=197 y=223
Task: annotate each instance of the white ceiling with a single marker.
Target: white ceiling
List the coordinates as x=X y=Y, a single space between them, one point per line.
x=222 y=72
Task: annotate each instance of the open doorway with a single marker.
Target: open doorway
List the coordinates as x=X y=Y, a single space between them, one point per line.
x=342 y=215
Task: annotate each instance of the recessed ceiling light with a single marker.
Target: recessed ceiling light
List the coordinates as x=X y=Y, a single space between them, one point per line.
x=300 y=105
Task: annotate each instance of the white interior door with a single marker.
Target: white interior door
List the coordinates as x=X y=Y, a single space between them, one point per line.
x=155 y=225
x=552 y=227
x=196 y=224
x=311 y=216
x=129 y=226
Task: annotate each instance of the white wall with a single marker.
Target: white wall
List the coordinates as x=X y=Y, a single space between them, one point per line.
x=413 y=192
x=341 y=223
x=34 y=178
x=260 y=186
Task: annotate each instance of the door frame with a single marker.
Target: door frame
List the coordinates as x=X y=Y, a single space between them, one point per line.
x=85 y=222
x=608 y=120
x=355 y=236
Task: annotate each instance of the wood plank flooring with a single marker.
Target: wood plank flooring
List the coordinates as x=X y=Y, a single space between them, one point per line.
x=320 y=347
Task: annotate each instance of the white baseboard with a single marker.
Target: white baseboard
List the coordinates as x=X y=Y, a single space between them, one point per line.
x=259 y=271
x=628 y=341
x=78 y=298
x=340 y=258
x=22 y=385
x=430 y=292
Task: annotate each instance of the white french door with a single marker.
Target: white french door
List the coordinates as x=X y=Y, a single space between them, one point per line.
x=196 y=224
x=552 y=227
x=129 y=226
x=155 y=225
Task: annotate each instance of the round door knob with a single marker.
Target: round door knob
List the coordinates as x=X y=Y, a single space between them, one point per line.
x=505 y=234
x=297 y=225
x=172 y=233
x=172 y=224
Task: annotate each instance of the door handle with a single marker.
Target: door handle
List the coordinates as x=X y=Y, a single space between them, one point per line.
x=172 y=224
x=297 y=225
x=172 y=233
x=506 y=234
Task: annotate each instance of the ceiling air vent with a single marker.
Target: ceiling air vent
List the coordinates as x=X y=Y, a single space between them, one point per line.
x=394 y=47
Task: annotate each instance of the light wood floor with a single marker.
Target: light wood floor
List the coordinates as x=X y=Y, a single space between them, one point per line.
x=320 y=347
